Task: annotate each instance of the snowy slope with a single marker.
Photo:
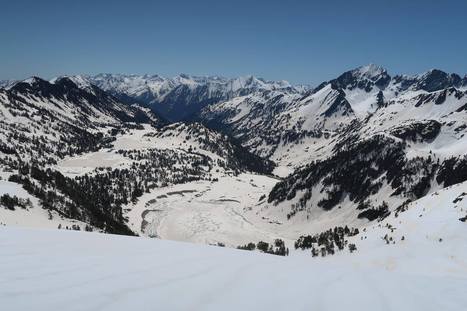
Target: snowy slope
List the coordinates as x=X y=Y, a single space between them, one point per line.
x=45 y=270
x=33 y=216
x=433 y=224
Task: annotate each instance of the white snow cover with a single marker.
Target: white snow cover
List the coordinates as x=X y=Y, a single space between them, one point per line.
x=157 y=86
x=81 y=81
x=206 y=212
x=68 y=270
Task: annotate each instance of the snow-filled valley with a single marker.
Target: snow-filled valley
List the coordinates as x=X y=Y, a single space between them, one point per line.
x=203 y=211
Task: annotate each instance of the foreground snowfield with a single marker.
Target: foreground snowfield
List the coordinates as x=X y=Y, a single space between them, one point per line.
x=44 y=269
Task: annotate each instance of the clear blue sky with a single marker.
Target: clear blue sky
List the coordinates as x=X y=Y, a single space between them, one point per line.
x=300 y=41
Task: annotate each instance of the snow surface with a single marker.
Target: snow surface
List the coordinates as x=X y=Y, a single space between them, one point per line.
x=206 y=212
x=57 y=270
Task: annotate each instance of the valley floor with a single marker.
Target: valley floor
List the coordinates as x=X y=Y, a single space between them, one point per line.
x=205 y=212
x=44 y=269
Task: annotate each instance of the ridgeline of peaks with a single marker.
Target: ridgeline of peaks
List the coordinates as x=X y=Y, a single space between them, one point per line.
x=367 y=97
x=366 y=77
x=184 y=96
x=431 y=81
x=81 y=98
x=179 y=97
x=354 y=149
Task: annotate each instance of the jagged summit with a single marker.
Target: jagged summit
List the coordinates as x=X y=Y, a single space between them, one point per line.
x=430 y=81
x=58 y=87
x=78 y=80
x=364 y=77
x=435 y=79
x=371 y=71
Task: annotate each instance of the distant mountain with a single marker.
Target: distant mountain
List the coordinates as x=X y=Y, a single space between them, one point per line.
x=74 y=99
x=182 y=96
x=430 y=81
x=6 y=83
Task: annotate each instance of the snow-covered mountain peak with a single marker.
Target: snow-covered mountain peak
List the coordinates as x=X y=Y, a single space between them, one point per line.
x=435 y=79
x=429 y=81
x=79 y=80
x=365 y=78
x=32 y=84
x=34 y=80
x=255 y=83
x=371 y=71
x=6 y=83
x=56 y=87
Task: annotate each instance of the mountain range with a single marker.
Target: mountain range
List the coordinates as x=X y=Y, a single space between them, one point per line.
x=228 y=161
x=179 y=97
